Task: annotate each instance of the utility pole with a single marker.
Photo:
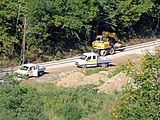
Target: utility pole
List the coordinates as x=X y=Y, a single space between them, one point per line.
x=24 y=42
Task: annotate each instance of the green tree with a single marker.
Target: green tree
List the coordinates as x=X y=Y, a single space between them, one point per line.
x=71 y=21
x=58 y=26
x=125 y=14
x=8 y=39
x=53 y=25
x=141 y=101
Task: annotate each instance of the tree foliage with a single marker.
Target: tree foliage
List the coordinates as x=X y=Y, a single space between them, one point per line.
x=141 y=101
x=130 y=15
x=7 y=27
x=59 y=26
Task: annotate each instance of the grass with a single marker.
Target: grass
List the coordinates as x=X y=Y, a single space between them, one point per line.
x=119 y=69
x=101 y=82
x=81 y=103
x=91 y=71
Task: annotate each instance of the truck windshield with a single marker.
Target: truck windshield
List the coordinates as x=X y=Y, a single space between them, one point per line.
x=23 y=68
x=83 y=57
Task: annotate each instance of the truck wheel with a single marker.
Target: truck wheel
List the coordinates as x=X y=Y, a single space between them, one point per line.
x=84 y=66
x=103 y=52
x=111 y=51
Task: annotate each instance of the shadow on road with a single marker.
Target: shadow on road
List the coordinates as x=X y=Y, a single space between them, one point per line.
x=111 y=65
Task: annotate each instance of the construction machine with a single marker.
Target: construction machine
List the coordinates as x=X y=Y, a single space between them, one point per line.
x=105 y=43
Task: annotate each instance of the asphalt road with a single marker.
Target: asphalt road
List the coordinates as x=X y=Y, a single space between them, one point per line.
x=135 y=49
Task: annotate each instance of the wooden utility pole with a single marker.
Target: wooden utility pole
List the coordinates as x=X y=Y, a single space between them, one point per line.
x=24 y=42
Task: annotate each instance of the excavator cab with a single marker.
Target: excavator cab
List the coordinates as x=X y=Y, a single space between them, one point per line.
x=99 y=43
x=98 y=38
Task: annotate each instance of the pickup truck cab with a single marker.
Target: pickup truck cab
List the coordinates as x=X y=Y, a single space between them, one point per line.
x=30 y=70
x=91 y=60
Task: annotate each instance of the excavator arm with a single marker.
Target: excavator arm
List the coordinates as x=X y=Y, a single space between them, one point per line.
x=111 y=35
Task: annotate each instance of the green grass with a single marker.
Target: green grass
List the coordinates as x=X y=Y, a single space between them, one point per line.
x=91 y=71
x=81 y=103
x=119 y=69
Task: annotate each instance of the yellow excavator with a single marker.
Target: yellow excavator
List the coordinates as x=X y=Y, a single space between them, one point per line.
x=105 y=43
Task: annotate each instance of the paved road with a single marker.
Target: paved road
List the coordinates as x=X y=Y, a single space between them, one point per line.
x=135 y=49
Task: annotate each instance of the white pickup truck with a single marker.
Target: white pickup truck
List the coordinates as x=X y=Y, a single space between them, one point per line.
x=91 y=60
x=30 y=70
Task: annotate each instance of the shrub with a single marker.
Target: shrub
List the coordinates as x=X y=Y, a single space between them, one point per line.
x=80 y=103
x=88 y=88
x=70 y=111
x=141 y=101
x=19 y=102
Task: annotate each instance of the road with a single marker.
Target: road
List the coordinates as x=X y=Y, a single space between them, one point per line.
x=134 y=49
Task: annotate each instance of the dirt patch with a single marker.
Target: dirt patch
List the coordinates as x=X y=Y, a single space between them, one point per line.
x=114 y=84
x=50 y=75
x=109 y=84
x=79 y=79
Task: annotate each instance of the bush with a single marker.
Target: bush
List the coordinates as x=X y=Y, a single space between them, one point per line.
x=141 y=100
x=70 y=111
x=19 y=102
x=88 y=88
x=74 y=104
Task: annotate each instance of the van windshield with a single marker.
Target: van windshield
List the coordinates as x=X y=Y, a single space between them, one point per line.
x=23 y=68
x=83 y=57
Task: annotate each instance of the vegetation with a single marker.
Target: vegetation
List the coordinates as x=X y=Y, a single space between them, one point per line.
x=20 y=103
x=93 y=71
x=118 y=69
x=46 y=101
x=74 y=104
x=56 y=28
x=141 y=100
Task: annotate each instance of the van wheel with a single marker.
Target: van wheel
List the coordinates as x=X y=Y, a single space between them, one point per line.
x=84 y=66
x=27 y=77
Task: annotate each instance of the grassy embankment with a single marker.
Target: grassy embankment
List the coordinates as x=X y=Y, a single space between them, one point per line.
x=73 y=104
x=79 y=103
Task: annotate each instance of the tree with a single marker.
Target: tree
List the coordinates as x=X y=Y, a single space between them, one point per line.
x=125 y=14
x=55 y=28
x=8 y=39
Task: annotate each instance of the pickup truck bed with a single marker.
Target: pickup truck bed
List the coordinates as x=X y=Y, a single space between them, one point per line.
x=103 y=59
